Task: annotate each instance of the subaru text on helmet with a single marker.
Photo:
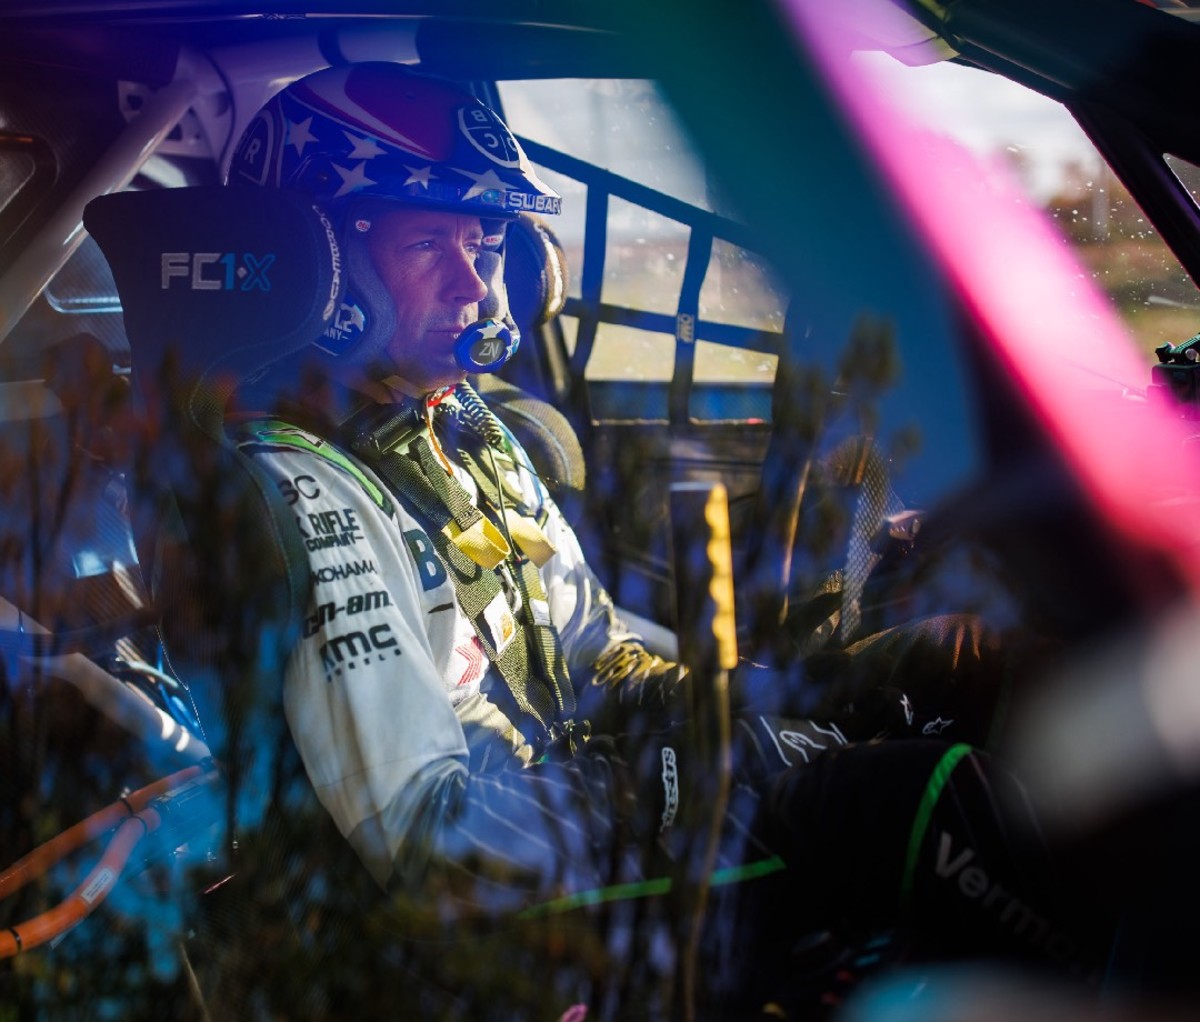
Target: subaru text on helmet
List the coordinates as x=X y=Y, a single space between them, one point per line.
x=356 y=136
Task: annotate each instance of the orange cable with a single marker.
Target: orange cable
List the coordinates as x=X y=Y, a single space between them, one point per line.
x=46 y=855
x=80 y=903
x=99 y=882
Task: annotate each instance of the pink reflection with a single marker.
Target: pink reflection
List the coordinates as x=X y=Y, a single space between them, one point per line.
x=1047 y=321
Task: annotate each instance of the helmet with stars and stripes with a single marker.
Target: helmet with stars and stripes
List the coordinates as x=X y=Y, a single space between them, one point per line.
x=357 y=136
x=378 y=129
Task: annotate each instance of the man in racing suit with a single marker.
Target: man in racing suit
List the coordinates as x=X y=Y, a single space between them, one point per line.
x=469 y=708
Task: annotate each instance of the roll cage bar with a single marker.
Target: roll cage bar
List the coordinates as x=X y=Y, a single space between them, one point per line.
x=686 y=325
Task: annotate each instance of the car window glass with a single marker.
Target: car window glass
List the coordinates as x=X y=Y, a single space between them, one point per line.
x=741 y=288
x=1182 y=303
x=1061 y=172
x=646 y=255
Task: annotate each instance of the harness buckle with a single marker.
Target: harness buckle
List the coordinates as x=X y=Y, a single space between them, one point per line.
x=567 y=739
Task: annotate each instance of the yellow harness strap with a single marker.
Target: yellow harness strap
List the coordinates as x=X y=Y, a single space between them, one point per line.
x=482 y=542
x=528 y=536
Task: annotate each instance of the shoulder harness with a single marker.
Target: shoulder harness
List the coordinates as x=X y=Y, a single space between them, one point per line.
x=483 y=552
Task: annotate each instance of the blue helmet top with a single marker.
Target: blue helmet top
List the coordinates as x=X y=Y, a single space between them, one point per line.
x=381 y=130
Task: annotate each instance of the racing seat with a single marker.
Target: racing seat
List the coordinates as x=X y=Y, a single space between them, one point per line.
x=536 y=275
x=215 y=285
x=851 y=511
x=827 y=526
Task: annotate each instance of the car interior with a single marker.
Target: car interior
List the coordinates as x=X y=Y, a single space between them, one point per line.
x=734 y=296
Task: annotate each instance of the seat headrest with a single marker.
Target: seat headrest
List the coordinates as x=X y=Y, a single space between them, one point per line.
x=220 y=278
x=535 y=272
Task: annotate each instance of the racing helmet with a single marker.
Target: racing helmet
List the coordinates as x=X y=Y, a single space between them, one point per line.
x=359 y=136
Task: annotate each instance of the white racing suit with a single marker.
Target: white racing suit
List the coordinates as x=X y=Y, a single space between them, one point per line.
x=388 y=692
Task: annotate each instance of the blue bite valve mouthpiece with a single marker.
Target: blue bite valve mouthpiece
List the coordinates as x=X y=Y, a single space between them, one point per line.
x=485 y=346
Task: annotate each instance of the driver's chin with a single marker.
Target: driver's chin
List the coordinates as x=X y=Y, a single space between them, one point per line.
x=417 y=381
x=424 y=367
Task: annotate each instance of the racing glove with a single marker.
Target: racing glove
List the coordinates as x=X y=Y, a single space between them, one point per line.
x=651 y=771
x=633 y=691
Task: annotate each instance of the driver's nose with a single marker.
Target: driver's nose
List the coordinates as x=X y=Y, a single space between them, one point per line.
x=463 y=281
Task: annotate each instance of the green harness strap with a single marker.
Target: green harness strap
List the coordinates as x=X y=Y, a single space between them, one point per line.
x=545 y=643
x=439 y=499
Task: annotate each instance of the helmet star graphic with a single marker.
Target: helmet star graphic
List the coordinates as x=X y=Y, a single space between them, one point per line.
x=300 y=134
x=362 y=148
x=417 y=176
x=353 y=179
x=382 y=129
x=487 y=181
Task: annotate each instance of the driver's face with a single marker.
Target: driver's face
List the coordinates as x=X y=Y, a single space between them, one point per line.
x=426 y=260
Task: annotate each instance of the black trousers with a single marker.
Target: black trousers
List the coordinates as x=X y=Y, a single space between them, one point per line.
x=900 y=851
